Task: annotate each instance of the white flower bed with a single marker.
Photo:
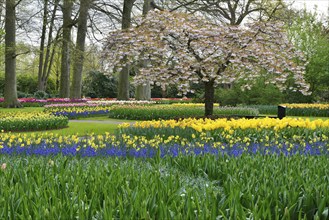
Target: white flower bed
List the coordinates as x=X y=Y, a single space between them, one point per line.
x=121 y=102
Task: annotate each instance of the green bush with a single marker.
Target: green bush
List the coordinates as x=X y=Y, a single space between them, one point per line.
x=28 y=84
x=23 y=95
x=150 y=112
x=98 y=85
x=259 y=94
x=41 y=95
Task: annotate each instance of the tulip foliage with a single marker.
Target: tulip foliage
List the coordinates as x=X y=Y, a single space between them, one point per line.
x=180 y=49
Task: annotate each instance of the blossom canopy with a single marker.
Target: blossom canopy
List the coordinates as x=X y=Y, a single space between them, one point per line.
x=181 y=48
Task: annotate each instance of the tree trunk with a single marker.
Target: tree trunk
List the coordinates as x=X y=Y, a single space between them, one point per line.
x=80 y=49
x=48 y=63
x=209 y=97
x=64 y=90
x=123 y=82
x=42 y=45
x=143 y=92
x=10 y=91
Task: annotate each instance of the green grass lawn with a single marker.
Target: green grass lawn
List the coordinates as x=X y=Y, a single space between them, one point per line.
x=25 y=109
x=81 y=129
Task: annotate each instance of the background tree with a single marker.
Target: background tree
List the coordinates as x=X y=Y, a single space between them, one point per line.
x=64 y=91
x=185 y=49
x=309 y=34
x=123 y=82
x=143 y=92
x=80 y=49
x=46 y=53
x=10 y=91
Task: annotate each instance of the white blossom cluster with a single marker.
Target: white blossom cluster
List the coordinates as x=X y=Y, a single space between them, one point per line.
x=179 y=49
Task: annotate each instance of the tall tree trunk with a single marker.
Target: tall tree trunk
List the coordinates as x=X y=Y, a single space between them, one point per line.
x=64 y=88
x=42 y=45
x=143 y=92
x=10 y=91
x=42 y=82
x=209 y=97
x=80 y=49
x=123 y=82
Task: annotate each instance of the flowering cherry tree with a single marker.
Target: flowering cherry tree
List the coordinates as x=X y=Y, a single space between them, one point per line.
x=181 y=49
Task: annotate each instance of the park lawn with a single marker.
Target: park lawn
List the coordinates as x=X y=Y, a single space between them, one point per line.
x=80 y=128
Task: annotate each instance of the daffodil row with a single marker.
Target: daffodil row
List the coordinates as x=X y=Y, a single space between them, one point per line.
x=307 y=105
x=286 y=133
x=232 y=124
x=78 y=111
x=30 y=121
x=308 y=109
x=178 y=138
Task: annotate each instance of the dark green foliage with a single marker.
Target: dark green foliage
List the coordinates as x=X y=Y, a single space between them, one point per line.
x=41 y=95
x=171 y=92
x=310 y=35
x=98 y=85
x=23 y=95
x=186 y=187
x=260 y=93
x=27 y=85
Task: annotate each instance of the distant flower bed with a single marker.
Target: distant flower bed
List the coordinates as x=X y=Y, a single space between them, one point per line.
x=306 y=106
x=171 y=100
x=154 y=112
x=120 y=102
x=73 y=111
x=191 y=104
x=307 y=109
x=32 y=102
x=30 y=121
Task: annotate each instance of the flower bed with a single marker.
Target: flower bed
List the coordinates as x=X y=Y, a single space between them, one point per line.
x=121 y=102
x=154 y=112
x=186 y=137
x=32 y=102
x=234 y=137
x=30 y=121
x=171 y=100
x=301 y=109
x=73 y=111
x=193 y=169
x=191 y=104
